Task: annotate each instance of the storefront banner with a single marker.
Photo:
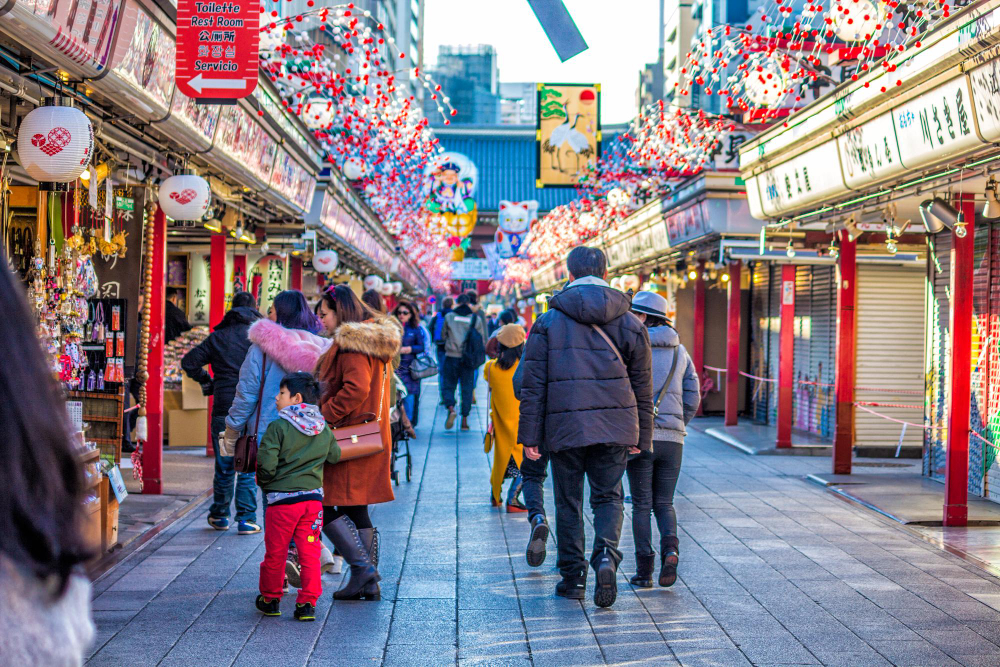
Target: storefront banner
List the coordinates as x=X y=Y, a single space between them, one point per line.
x=985 y=84
x=200 y=119
x=246 y=142
x=870 y=153
x=217 y=43
x=147 y=66
x=568 y=136
x=936 y=125
x=805 y=179
x=471 y=269
x=291 y=180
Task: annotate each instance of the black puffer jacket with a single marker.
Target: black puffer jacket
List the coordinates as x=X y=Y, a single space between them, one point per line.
x=224 y=350
x=574 y=391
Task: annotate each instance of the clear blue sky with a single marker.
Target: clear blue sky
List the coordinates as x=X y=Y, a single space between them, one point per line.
x=621 y=42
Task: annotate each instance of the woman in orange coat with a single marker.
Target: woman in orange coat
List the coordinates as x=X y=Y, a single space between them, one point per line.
x=356 y=377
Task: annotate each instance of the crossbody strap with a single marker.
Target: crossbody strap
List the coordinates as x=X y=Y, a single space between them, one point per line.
x=607 y=339
x=666 y=385
x=381 y=396
x=260 y=394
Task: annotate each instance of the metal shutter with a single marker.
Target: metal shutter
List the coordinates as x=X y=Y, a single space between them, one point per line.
x=763 y=340
x=937 y=366
x=890 y=353
x=813 y=403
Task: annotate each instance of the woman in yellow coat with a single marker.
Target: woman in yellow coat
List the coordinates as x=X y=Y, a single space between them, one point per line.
x=505 y=411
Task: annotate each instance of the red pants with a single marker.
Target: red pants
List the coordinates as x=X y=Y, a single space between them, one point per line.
x=303 y=521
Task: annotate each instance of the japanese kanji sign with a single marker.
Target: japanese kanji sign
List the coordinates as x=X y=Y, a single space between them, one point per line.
x=217 y=48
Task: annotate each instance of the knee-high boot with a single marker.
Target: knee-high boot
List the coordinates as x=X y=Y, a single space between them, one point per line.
x=363 y=583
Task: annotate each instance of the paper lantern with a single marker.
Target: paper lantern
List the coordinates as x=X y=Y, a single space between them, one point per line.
x=615 y=283
x=354 y=168
x=373 y=282
x=855 y=21
x=54 y=143
x=318 y=113
x=630 y=282
x=326 y=261
x=385 y=289
x=184 y=197
x=765 y=83
x=397 y=287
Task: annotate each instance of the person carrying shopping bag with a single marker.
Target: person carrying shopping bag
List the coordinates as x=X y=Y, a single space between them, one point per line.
x=505 y=411
x=652 y=476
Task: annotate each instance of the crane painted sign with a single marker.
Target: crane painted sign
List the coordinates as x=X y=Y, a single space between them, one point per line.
x=568 y=136
x=217 y=42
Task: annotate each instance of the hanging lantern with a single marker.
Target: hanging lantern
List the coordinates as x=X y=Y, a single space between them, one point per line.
x=317 y=113
x=55 y=142
x=385 y=289
x=326 y=261
x=856 y=21
x=373 y=282
x=765 y=83
x=184 y=197
x=354 y=168
x=629 y=281
x=397 y=287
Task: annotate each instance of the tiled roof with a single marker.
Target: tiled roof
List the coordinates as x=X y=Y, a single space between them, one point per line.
x=505 y=157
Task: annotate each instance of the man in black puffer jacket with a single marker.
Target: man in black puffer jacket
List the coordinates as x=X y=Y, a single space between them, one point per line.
x=224 y=350
x=587 y=401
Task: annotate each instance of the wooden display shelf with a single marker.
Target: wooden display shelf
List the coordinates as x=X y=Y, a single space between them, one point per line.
x=100 y=418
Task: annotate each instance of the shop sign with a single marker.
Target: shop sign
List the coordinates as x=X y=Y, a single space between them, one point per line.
x=202 y=118
x=470 y=269
x=807 y=178
x=726 y=156
x=936 y=125
x=148 y=63
x=869 y=152
x=688 y=224
x=124 y=203
x=568 y=135
x=292 y=181
x=217 y=43
x=246 y=142
x=985 y=84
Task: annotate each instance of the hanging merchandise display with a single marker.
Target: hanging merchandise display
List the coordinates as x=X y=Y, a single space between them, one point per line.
x=449 y=189
x=185 y=197
x=55 y=142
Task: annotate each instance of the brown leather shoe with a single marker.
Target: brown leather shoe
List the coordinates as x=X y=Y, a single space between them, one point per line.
x=450 y=421
x=465 y=423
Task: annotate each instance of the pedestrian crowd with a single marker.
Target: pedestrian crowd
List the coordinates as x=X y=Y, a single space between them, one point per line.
x=597 y=389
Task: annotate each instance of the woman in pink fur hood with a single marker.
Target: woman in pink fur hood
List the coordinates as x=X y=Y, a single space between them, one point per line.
x=288 y=342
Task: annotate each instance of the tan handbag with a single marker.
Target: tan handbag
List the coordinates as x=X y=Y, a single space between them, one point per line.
x=488 y=437
x=357 y=441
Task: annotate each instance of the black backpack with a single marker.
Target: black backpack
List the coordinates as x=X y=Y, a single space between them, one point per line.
x=473 y=349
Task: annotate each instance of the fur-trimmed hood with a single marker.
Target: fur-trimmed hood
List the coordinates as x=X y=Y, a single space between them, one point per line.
x=379 y=338
x=293 y=349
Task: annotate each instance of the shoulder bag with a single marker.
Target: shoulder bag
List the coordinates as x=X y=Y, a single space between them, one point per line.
x=357 y=441
x=488 y=437
x=424 y=366
x=245 y=452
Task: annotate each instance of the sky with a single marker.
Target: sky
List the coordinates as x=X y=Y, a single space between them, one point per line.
x=621 y=43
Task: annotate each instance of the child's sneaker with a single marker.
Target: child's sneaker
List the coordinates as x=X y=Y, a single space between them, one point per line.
x=293 y=574
x=270 y=607
x=305 y=612
x=248 y=528
x=218 y=522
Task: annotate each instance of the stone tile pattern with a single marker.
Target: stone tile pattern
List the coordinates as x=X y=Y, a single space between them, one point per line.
x=774 y=570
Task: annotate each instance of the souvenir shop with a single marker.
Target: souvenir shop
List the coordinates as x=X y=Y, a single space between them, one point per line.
x=882 y=176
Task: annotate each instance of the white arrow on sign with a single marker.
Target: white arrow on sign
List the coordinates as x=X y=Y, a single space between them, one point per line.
x=199 y=83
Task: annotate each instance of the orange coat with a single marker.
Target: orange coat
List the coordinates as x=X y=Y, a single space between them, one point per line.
x=351 y=373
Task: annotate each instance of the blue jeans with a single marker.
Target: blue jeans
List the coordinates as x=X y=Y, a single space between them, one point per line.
x=410 y=405
x=453 y=375
x=441 y=358
x=515 y=488
x=222 y=485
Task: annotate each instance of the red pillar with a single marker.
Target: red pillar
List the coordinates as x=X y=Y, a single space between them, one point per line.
x=152 y=449
x=956 y=476
x=240 y=274
x=698 y=353
x=320 y=282
x=733 y=344
x=295 y=273
x=847 y=297
x=786 y=356
x=255 y=286
x=216 y=307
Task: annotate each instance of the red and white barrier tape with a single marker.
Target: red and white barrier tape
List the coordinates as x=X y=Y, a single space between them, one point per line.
x=898 y=421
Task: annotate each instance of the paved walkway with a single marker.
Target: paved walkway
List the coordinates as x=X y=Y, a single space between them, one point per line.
x=774 y=570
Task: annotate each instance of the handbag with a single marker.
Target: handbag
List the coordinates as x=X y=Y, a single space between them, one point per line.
x=357 y=441
x=245 y=452
x=488 y=437
x=424 y=366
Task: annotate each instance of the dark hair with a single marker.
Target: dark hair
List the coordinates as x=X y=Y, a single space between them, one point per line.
x=508 y=356
x=655 y=321
x=447 y=303
x=584 y=261
x=507 y=316
x=301 y=383
x=292 y=311
x=414 y=321
x=462 y=300
x=473 y=297
x=244 y=300
x=41 y=481
x=346 y=305
x=374 y=301
x=172 y=292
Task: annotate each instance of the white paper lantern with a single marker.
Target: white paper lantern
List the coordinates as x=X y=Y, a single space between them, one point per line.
x=856 y=20
x=55 y=143
x=326 y=261
x=765 y=83
x=185 y=197
x=615 y=283
x=354 y=168
x=317 y=113
x=397 y=287
x=385 y=289
x=373 y=282
x=630 y=282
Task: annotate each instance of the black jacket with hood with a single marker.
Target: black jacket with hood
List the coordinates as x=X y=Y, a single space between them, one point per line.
x=574 y=390
x=224 y=350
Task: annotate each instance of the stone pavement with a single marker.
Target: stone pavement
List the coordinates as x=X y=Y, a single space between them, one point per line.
x=774 y=570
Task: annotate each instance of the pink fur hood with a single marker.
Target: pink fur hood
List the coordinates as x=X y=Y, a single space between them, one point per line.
x=293 y=349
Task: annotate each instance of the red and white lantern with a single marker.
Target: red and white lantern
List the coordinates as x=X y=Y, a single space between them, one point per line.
x=354 y=168
x=373 y=282
x=326 y=261
x=185 y=197
x=55 y=143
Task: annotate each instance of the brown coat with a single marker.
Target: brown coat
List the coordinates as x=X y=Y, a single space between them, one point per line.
x=353 y=372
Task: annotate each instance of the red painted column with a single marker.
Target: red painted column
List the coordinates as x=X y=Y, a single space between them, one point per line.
x=786 y=357
x=216 y=308
x=320 y=282
x=152 y=449
x=847 y=297
x=255 y=284
x=733 y=344
x=698 y=353
x=295 y=273
x=240 y=274
x=956 y=476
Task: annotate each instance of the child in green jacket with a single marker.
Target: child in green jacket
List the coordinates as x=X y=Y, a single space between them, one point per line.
x=290 y=463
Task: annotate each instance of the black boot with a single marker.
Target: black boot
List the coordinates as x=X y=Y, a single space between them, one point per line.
x=644 y=566
x=668 y=568
x=605 y=588
x=370 y=538
x=345 y=537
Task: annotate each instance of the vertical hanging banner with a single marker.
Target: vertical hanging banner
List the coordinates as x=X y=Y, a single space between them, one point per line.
x=217 y=44
x=568 y=132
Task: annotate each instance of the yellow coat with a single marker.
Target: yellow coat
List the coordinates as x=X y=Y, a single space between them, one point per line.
x=505 y=412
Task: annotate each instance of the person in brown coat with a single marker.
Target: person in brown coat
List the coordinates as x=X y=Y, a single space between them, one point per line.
x=356 y=377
